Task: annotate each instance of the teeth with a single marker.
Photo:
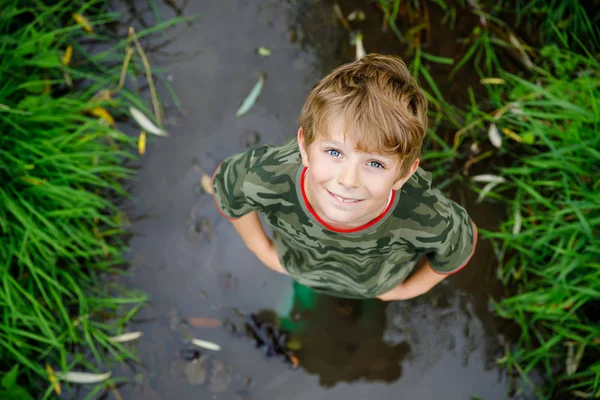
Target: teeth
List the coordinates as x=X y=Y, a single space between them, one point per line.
x=343 y=200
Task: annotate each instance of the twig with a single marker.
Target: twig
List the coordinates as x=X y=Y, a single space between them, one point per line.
x=148 y=74
x=128 y=54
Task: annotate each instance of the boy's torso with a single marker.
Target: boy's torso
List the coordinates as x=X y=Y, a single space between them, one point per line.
x=359 y=264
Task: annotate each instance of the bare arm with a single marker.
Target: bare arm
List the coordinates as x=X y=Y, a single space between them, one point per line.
x=254 y=236
x=422 y=281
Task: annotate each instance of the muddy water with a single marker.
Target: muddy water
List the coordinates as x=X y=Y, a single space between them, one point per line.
x=192 y=263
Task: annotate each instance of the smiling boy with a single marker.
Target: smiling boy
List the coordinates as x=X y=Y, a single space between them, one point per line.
x=352 y=213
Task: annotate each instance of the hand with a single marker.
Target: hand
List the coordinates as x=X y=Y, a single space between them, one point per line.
x=268 y=255
x=400 y=292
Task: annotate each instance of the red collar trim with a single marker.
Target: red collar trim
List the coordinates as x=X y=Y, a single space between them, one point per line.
x=331 y=228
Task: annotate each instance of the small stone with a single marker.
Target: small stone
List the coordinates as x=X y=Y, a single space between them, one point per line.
x=220 y=377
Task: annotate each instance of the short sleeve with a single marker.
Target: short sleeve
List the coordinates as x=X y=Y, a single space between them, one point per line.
x=229 y=181
x=456 y=240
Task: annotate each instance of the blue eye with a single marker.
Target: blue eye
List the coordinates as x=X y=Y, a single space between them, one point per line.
x=375 y=164
x=333 y=152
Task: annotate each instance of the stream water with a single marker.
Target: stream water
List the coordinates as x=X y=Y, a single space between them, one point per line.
x=192 y=263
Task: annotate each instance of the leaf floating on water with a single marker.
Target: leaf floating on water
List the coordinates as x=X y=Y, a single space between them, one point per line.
x=83 y=22
x=252 y=96
x=145 y=123
x=206 y=183
x=263 y=51
x=202 y=322
x=52 y=379
x=67 y=56
x=492 y=81
x=83 y=377
x=126 y=337
x=142 y=143
x=494 y=136
x=206 y=344
x=488 y=178
x=102 y=113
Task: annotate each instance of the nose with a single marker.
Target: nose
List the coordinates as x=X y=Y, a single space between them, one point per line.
x=348 y=177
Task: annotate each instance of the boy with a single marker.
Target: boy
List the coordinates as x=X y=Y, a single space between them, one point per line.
x=351 y=211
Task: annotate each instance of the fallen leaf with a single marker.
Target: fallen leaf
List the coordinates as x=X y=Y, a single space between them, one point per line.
x=263 y=51
x=68 y=54
x=486 y=189
x=206 y=183
x=294 y=360
x=83 y=22
x=30 y=180
x=512 y=134
x=518 y=222
x=492 y=81
x=357 y=15
x=126 y=337
x=52 y=379
x=494 y=136
x=102 y=113
x=83 y=377
x=488 y=178
x=202 y=322
x=360 y=49
x=142 y=143
x=206 y=344
x=145 y=123
x=249 y=101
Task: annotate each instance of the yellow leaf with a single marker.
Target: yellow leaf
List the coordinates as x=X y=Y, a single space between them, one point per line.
x=83 y=22
x=52 y=379
x=102 y=113
x=512 y=134
x=492 y=81
x=142 y=143
x=68 y=54
x=33 y=181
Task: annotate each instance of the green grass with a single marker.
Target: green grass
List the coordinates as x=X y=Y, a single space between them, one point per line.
x=61 y=168
x=548 y=114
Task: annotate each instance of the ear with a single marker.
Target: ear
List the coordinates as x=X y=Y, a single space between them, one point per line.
x=303 y=149
x=400 y=182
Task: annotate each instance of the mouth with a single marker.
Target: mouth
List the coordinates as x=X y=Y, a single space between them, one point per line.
x=342 y=199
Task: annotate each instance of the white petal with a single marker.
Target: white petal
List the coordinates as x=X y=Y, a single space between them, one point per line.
x=83 y=377
x=488 y=178
x=145 y=123
x=206 y=345
x=206 y=182
x=494 y=136
x=126 y=337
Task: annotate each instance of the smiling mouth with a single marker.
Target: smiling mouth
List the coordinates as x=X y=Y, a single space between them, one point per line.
x=342 y=199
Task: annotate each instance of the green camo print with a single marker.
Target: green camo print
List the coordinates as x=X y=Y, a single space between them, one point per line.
x=361 y=264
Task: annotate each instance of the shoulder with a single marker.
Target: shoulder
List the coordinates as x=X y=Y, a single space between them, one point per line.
x=425 y=208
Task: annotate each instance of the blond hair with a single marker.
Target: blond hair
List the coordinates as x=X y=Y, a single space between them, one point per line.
x=382 y=106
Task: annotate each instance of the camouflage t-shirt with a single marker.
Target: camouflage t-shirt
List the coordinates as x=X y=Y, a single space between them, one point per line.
x=359 y=263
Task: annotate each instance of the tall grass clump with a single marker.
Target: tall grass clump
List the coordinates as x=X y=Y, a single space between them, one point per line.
x=548 y=249
x=62 y=165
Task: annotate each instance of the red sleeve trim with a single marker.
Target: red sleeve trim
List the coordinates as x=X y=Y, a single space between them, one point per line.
x=467 y=262
x=212 y=181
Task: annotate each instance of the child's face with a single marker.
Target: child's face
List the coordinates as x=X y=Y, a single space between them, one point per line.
x=347 y=188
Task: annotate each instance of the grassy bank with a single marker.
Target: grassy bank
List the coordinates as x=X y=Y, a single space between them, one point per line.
x=63 y=161
x=531 y=129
